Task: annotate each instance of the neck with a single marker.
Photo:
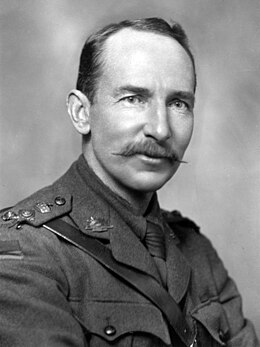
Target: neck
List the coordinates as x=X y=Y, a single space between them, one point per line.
x=139 y=200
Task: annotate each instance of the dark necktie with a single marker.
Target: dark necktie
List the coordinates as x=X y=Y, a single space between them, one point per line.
x=154 y=240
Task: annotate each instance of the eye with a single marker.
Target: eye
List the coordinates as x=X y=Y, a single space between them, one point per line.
x=133 y=99
x=179 y=104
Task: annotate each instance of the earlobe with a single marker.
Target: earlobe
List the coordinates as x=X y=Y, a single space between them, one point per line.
x=78 y=108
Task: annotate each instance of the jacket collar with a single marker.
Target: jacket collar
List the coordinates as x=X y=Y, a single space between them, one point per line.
x=92 y=199
x=127 y=248
x=125 y=245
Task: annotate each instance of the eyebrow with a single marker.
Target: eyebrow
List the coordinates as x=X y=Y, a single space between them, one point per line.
x=132 y=89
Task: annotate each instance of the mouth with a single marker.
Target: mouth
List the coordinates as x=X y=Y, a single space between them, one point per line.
x=152 y=157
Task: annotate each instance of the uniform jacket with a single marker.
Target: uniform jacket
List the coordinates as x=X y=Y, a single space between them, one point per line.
x=54 y=294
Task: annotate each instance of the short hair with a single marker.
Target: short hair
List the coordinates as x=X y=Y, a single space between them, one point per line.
x=90 y=66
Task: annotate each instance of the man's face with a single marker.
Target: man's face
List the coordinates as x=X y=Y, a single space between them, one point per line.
x=141 y=120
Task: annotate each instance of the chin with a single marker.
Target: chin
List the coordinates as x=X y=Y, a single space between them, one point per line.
x=150 y=183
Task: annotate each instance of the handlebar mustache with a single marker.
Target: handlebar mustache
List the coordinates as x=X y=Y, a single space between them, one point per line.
x=149 y=149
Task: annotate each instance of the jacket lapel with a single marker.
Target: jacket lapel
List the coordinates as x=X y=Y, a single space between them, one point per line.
x=178 y=269
x=125 y=246
x=128 y=249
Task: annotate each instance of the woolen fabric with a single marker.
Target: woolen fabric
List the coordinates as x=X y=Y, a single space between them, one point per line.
x=53 y=294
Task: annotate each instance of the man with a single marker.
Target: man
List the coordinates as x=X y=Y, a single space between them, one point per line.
x=134 y=108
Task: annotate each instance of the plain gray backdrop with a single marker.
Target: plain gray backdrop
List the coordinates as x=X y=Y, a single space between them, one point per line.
x=219 y=188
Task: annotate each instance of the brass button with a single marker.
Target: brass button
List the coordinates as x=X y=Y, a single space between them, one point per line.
x=110 y=330
x=60 y=201
x=27 y=213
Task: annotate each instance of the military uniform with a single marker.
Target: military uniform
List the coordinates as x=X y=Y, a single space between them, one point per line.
x=54 y=294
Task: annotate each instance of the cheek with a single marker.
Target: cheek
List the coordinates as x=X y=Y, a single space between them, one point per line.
x=101 y=128
x=114 y=129
x=189 y=132
x=182 y=132
x=107 y=136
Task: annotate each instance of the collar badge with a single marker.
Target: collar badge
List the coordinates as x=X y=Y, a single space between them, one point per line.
x=97 y=225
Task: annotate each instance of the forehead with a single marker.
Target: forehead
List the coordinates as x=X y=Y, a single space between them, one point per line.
x=130 y=37
x=138 y=54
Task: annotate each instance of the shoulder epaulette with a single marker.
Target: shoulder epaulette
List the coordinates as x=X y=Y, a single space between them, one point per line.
x=39 y=208
x=175 y=219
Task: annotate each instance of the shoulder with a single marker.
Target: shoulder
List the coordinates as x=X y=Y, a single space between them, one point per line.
x=179 y=223
x=187 y=232
x=29 y=249
x=22 y=236
x=46 y=204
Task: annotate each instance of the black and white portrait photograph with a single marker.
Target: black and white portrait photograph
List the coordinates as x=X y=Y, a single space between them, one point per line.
x=129 y=173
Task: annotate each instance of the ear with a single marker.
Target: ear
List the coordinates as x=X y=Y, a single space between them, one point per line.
x=78 y=109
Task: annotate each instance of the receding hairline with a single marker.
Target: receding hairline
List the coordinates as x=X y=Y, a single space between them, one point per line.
x=107 y=42
x=145 y=32
x=92 y=54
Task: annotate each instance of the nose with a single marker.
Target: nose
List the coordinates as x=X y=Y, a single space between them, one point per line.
x=157 y=123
